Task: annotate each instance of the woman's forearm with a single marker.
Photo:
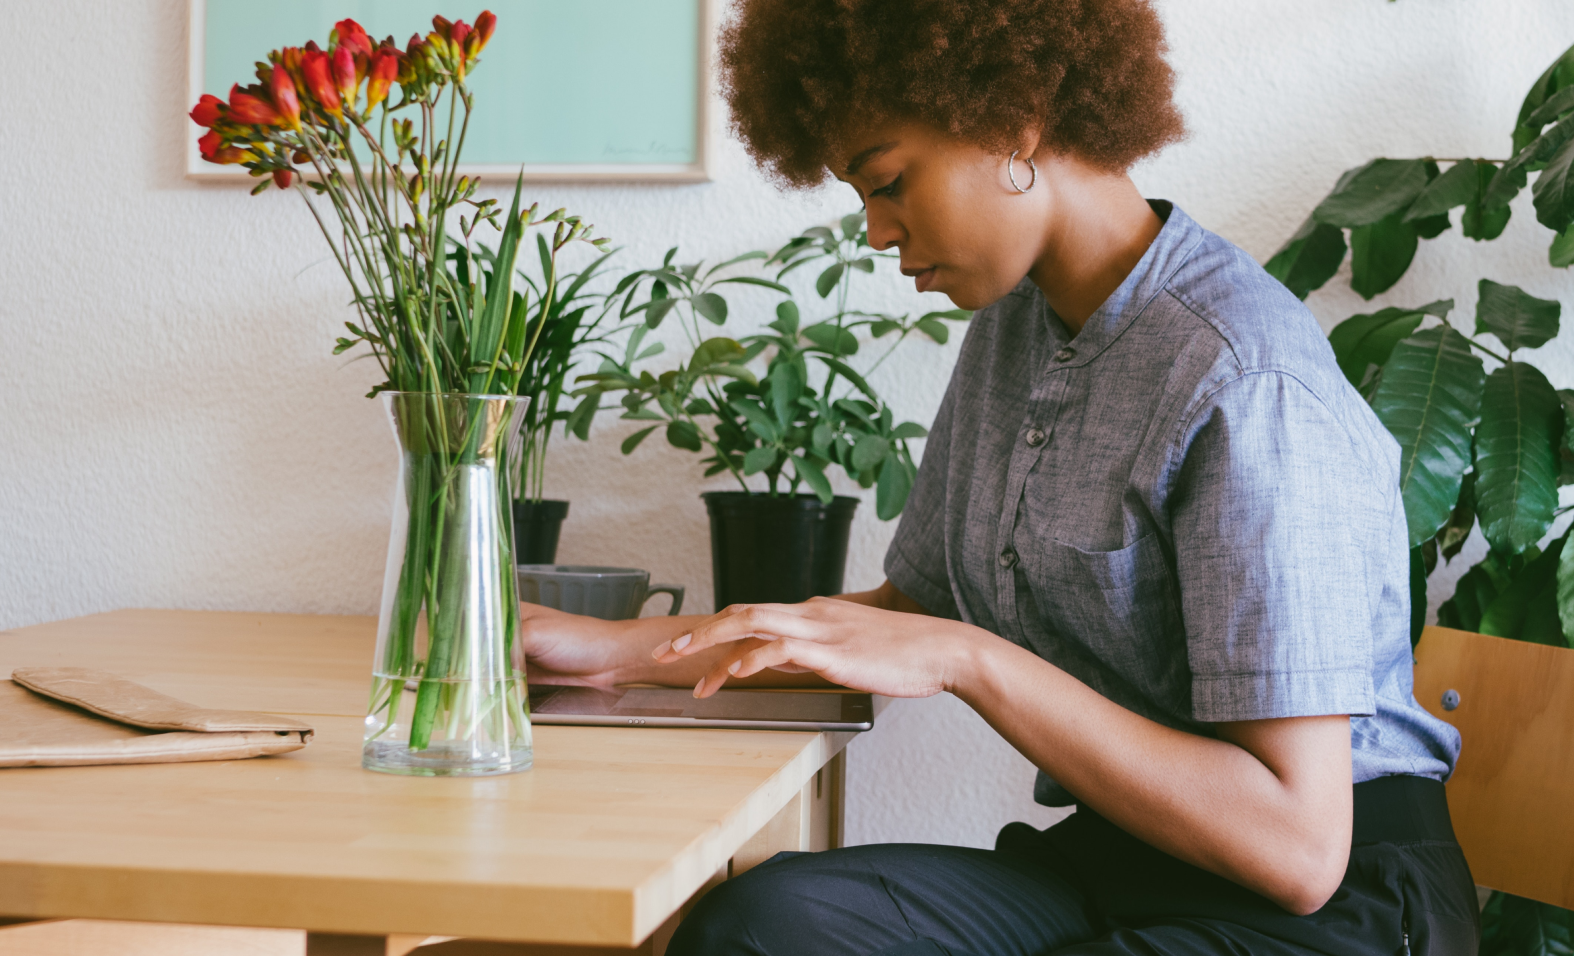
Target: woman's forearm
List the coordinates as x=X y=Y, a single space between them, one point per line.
x=1265 y=817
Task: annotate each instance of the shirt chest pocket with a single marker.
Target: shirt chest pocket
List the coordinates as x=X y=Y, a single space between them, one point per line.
x=1120 y=607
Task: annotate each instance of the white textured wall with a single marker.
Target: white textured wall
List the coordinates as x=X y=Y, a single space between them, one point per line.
x=174 y=432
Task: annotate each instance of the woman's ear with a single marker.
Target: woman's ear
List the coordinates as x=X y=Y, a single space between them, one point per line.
x=1030 y=140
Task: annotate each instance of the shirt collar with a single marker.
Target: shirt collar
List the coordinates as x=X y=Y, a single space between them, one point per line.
x=1164 y=256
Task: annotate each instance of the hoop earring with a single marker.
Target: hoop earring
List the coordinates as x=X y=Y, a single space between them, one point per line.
x=1011 y=173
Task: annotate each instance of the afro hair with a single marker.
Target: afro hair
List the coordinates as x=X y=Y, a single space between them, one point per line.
x=804 y=76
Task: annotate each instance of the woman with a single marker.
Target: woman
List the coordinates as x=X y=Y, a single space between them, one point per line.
x=1156 y=539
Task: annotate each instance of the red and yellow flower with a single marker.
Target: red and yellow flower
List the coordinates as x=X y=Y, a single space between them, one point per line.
x=307 y=100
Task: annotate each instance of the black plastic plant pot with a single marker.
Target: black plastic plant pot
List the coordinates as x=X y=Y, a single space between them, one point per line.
x=777 y=550
x=536 y=526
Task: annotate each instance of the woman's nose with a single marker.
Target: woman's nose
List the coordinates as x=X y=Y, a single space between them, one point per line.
x=884 y=231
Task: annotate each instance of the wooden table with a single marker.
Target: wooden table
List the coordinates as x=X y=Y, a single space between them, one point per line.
x=600 y=845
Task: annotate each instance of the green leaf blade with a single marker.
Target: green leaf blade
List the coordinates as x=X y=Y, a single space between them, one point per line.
x=893 y=487
x=1518 y=319
x=1381 y=189
x=1309 y=259
x=1456 y=187
x=1428 y=398
x=1364 y=340
x=1380 y=252
x=826 y=283
x=813 y=476
x=1516 y=457
x=869 y=452
x=632 y=442
x=712 y=306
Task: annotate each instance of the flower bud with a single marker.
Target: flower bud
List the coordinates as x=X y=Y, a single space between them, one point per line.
x=319 y=83
x=350 y=34
x=252 y=110
x=285 y=99
x=484 y=25
x=384 y=70
x=283 y=177
x=208 y=111
x=346 y=76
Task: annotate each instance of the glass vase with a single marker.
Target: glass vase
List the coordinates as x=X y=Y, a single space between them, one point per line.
x=446 y=699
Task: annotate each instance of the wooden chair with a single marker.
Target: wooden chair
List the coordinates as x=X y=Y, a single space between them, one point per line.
x=1512 y=795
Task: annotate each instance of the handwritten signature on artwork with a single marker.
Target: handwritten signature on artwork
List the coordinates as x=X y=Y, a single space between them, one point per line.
x=655 y=147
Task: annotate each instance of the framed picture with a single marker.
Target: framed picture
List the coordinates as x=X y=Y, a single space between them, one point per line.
x=575 y=90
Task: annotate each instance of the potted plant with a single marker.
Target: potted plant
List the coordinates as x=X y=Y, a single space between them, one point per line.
x=810 y=409
x=566 y=321
x=1478 y=448
x=454 y=341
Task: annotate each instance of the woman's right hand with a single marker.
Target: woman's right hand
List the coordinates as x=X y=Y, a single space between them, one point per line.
x=560 y=648
x=556 y=647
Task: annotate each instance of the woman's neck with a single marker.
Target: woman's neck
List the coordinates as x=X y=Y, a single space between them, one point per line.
x=1098 y=228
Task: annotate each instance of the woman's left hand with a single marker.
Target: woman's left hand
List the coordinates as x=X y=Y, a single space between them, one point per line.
x=864 y=648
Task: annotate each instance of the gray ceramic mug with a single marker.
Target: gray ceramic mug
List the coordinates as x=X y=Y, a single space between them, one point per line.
x=612 y=594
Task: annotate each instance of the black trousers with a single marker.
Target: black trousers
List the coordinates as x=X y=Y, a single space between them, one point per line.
x=1084 y=886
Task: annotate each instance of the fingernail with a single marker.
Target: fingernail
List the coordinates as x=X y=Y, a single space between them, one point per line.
x=698 y=686
x=661 y=650
x=682 y=642
x=733 y=667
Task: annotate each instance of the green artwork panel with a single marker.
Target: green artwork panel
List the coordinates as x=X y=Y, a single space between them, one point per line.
x=563 y=82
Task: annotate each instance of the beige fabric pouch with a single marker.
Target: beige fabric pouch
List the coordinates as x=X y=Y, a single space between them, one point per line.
x=143 y=726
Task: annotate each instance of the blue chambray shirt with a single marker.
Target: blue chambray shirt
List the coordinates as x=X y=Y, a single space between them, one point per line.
x=1186 y=507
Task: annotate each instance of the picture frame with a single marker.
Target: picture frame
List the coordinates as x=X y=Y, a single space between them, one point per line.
x=611 y=91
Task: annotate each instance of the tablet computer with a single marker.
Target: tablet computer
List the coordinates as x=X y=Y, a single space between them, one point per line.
x=678 y=707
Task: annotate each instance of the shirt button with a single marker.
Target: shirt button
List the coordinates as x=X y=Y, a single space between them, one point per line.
x=1035 y=437
x=1066 y=354
x=1008 y=558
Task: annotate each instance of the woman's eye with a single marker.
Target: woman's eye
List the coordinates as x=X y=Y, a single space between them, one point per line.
x=888 y=189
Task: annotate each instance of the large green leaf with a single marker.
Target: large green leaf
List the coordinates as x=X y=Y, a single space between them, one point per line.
x=1518 y=319
x=1554 y=192
x=1365 y=340
x=1517 y=457
x=1381 y=188
x=1479 y=587
x=1380 y=253
x=1560 y=255
x=1454 y=188
x=1530 y=599
x=1511 y=178
x=1428 y=399
x=1552 y=80
x=1479 y=222
x=1309 y=259
x=1515 y=926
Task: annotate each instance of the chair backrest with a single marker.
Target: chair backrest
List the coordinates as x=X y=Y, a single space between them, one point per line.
x=1512 y=795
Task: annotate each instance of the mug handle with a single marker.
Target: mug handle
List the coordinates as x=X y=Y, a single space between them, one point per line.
x=676 y=590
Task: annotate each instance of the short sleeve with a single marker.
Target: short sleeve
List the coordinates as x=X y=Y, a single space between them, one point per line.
x=916 y=560
x=1276 y=592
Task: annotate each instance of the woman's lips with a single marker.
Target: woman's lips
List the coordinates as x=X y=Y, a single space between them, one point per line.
x=925 y=279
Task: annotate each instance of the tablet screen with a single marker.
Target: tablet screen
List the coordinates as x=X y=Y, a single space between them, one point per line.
x=667 y=703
